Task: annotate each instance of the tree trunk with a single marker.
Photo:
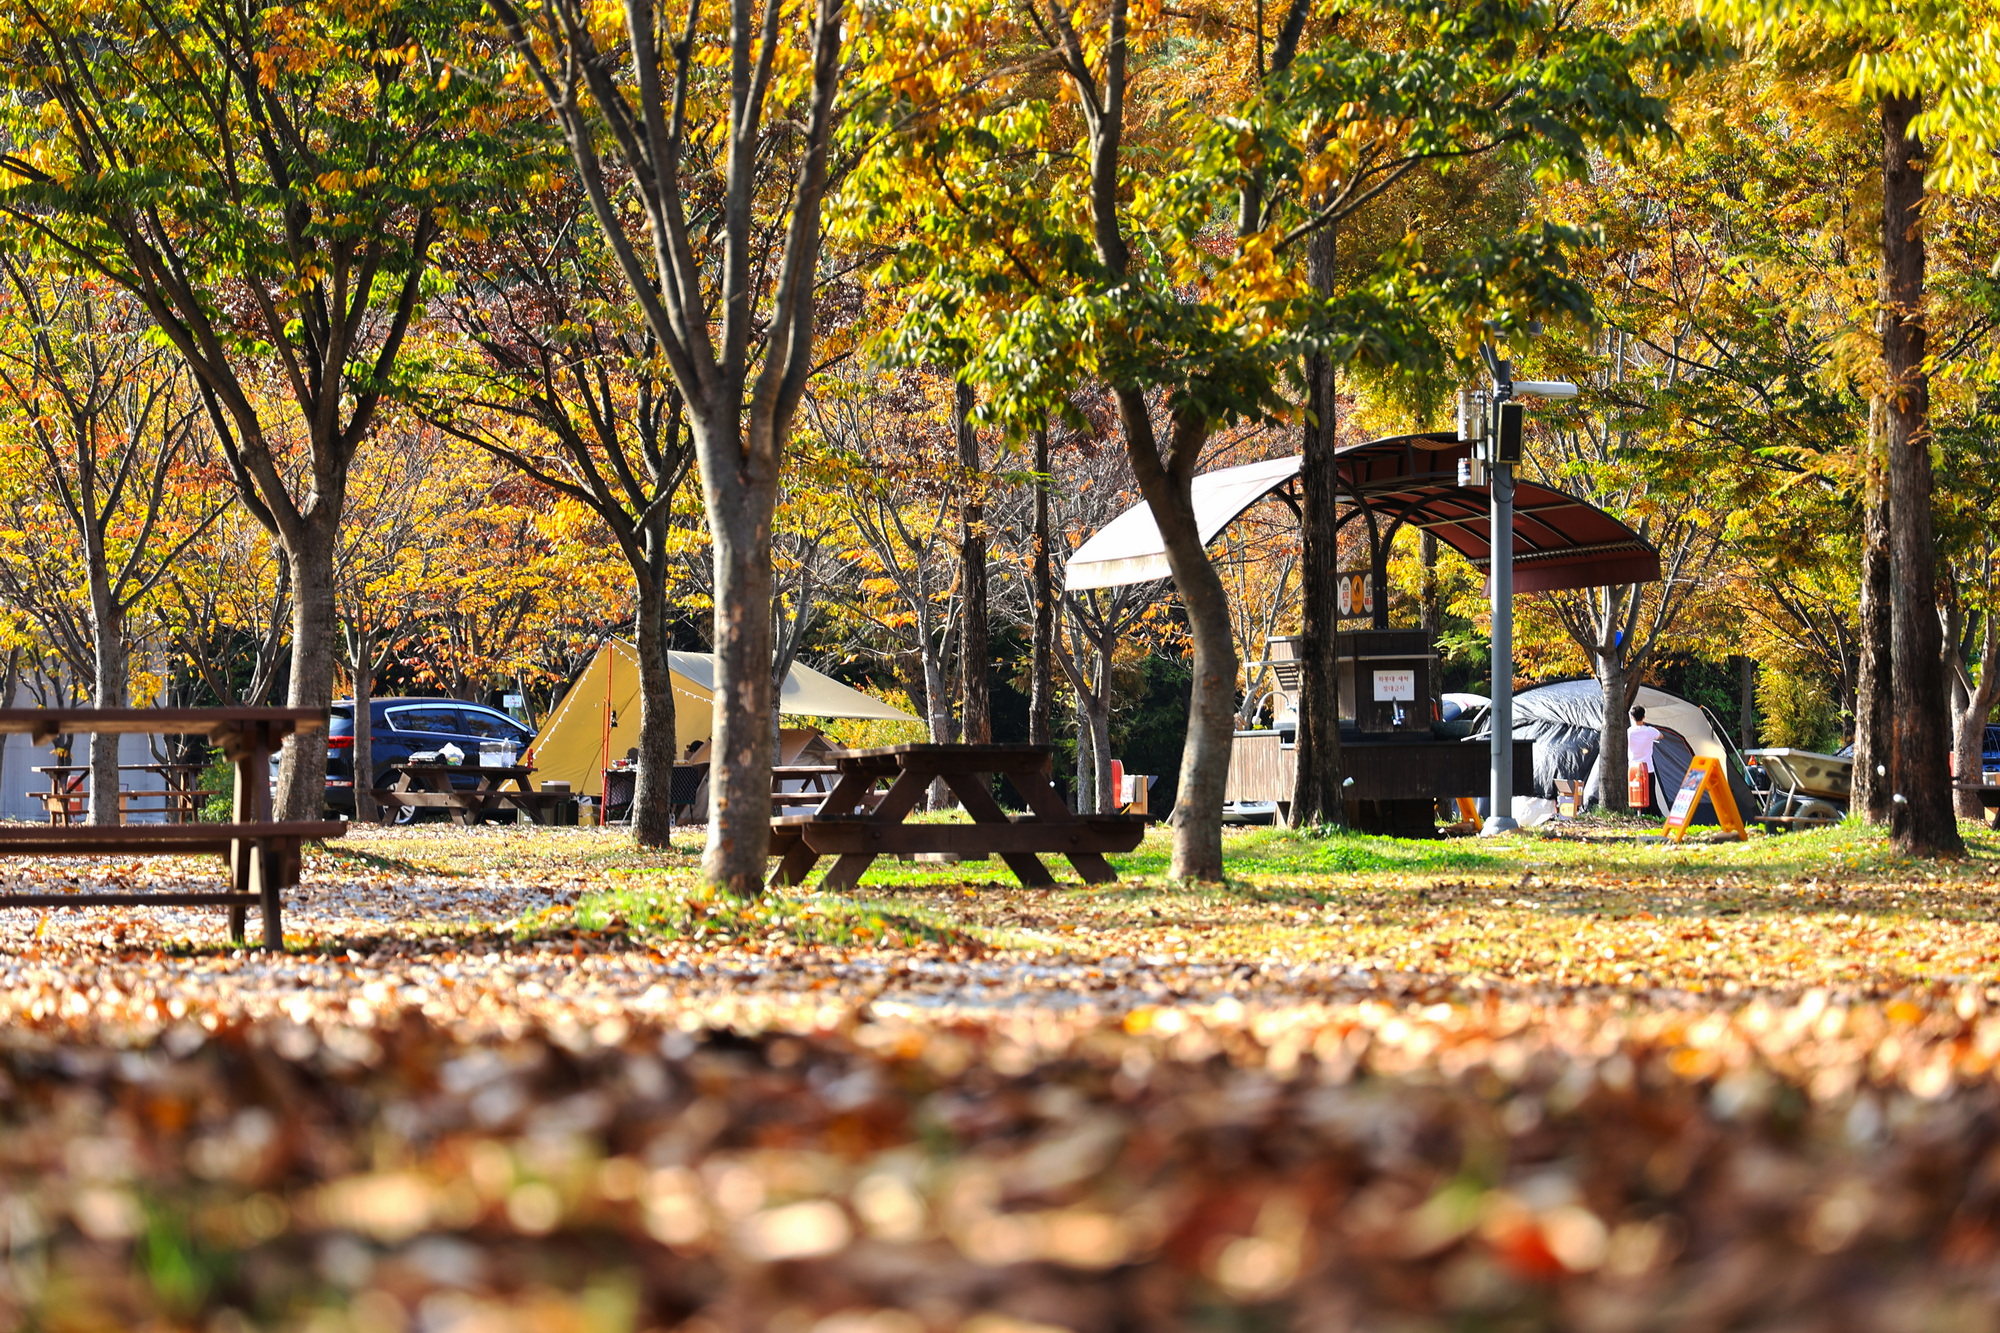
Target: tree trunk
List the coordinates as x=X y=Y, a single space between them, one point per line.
x=975 y=642
x=1204 y=773
x=739 y=778
x=659 y=745
x=937 y=703
x=1746 y=703
x=112 y=667
x=1041 y=663
x=1921 y=822
x=1104 y=795
x=301 y=790
x=1874 y=727
x=1317 y=795
x=1614 y=762
x=1429 y=603
x=10 y=681
x=1086 y=758
x=362 y=752
x=1968 y=754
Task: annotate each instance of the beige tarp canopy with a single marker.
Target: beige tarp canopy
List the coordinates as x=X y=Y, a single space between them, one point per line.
x=571 y=745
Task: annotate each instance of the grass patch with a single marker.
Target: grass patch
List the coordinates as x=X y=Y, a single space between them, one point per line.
x=657 y=906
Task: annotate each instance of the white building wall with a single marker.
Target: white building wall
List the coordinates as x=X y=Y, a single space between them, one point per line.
x=21 y=756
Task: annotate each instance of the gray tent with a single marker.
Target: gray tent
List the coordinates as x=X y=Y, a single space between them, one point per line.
x=1565 y=721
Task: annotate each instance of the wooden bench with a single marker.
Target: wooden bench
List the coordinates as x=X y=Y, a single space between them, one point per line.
x=262 y=854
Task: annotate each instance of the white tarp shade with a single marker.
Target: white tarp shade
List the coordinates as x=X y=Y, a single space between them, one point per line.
x=1129 y=548
x=807 y=693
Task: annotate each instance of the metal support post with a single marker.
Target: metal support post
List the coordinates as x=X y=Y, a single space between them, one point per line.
x=1500 y=585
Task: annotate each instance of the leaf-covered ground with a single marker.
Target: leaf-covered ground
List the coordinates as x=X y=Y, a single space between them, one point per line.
x=530 y=1079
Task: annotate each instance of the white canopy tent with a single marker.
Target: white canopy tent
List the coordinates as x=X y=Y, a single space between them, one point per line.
x=1560 y=541
x=1129 y=549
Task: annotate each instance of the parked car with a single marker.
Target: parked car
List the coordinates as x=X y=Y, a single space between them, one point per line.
x=1989 y=759
x=403 y=727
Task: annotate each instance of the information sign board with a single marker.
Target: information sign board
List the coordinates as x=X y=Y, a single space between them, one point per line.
x=1397 y=684
x=1705 y=777
x=1355 y=594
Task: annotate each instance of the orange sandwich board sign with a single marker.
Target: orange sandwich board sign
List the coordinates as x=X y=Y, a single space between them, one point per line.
x=1704 y=778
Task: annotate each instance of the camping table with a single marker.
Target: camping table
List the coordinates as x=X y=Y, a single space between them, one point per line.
x=429 y=787
x=263 y=853
x=846 y=825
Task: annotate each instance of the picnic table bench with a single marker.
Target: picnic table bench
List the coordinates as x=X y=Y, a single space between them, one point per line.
x=430 y=787
x=818 y=780
x=1988 y=796
x=262 y=853
x=67 y=799
x=855 y=825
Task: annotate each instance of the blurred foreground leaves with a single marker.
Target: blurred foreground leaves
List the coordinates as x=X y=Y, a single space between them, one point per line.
x=1411 y=1164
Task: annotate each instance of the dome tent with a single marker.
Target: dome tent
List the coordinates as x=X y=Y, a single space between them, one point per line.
x=597 y=717
x=1565 y=722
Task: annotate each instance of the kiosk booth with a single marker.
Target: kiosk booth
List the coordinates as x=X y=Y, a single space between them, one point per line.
x=1399 y=755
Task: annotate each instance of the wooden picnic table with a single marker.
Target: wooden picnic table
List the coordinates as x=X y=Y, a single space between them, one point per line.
x=816 y=779
x=430 y=787
x=856 y=826
x=67 y=799
x=1989 y=799
x=262 y=853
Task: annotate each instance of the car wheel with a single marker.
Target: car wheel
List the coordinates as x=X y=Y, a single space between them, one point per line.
x=403 y=814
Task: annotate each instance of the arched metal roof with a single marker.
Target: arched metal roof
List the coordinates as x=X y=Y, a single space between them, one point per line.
x=1559 y=540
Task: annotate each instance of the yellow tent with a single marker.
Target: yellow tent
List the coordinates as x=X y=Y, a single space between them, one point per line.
x=598 y=719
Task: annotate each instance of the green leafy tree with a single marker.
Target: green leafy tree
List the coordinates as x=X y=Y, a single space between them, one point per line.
x=562 y=379
x=269 y=182
x=1926 y=67
x=703 y=148
x=1052 y=234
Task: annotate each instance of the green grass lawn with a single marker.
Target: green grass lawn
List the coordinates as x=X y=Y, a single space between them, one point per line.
x=1834 y=907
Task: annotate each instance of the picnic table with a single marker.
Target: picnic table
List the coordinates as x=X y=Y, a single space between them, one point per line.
x=430 y=787
x=1988 y=797
x=855 y=825
x=815 y=780
x=262 y=853
x=67 y=799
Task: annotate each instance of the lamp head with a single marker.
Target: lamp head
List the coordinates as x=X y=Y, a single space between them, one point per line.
x=1551 y=390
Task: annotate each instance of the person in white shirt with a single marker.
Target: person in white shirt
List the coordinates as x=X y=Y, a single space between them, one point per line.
x=1639 y=740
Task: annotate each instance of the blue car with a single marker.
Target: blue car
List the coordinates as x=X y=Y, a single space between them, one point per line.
x=403 y=727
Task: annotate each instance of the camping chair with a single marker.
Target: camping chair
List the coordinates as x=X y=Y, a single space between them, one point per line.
x=686 y=789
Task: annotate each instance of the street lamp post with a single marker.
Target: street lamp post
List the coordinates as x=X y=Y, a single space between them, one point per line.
x=1500 y=587
x=1494 y=427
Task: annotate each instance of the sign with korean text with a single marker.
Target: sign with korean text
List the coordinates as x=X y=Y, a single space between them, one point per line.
x=1355 y=595
x=1705 y=778
x=1398 y=684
